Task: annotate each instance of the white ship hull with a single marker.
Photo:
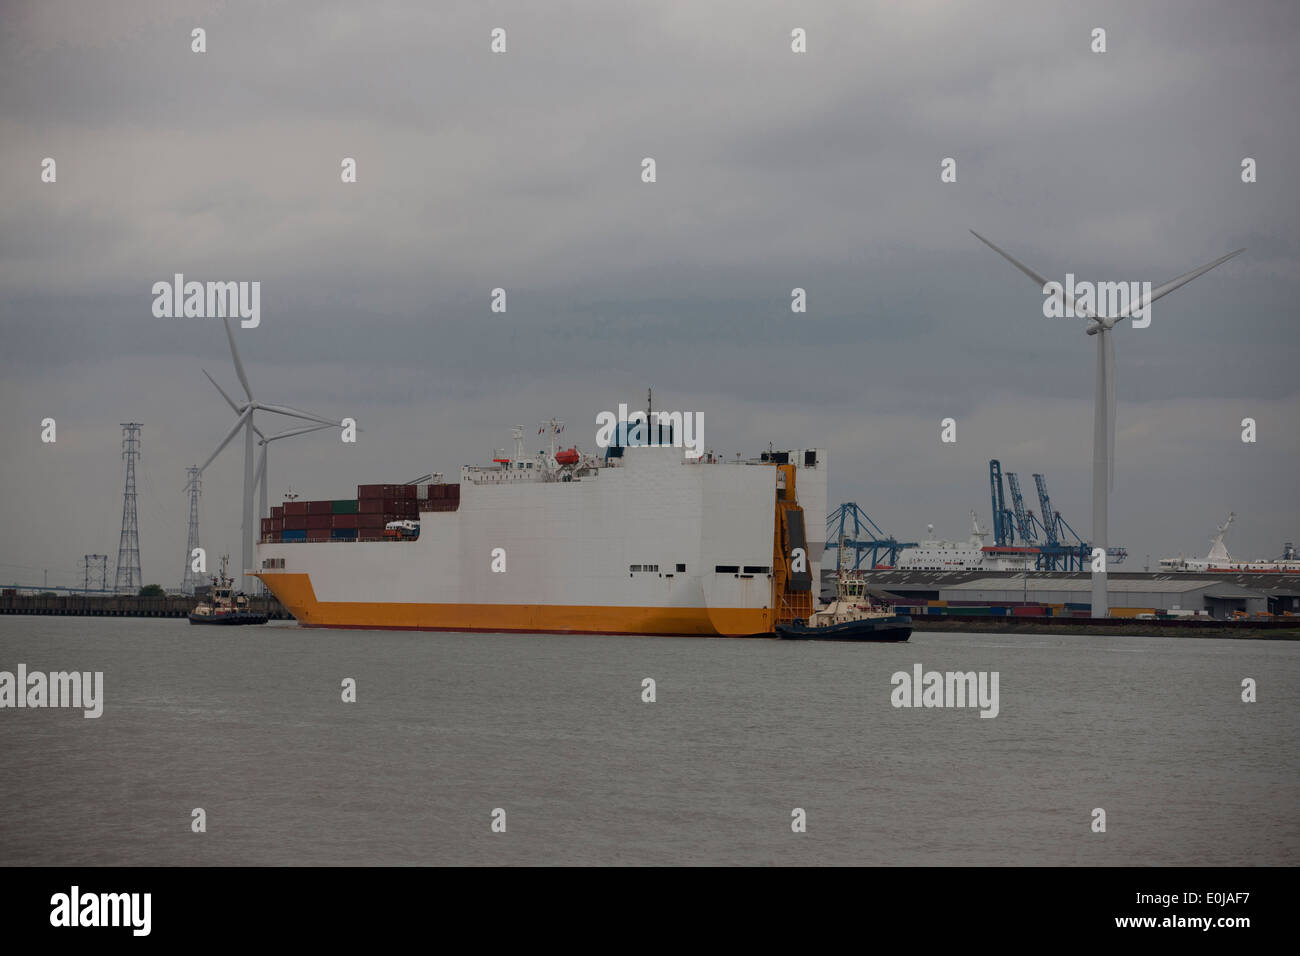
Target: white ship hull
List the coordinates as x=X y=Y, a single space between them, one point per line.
x=657 y=545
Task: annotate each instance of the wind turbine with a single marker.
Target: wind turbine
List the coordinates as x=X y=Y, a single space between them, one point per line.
x=259 y=474
x=1103 y=432
x=245 y=421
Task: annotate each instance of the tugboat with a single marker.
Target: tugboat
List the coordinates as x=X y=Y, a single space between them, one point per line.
x=225 y=607
x=852 y=616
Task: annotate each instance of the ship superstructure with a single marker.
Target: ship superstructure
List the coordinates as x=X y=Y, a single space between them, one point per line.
x=935 y=554
x=637 y=539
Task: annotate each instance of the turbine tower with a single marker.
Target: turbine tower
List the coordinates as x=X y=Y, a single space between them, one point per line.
x=1103 y=432
x=245 y=421
x=191 y=578
x=129 y=580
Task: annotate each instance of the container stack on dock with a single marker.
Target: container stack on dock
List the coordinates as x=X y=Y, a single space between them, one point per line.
x=356 y=519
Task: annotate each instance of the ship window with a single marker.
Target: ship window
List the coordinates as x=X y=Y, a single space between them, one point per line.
x=727 y=569
x=634 y=567
x=681 y=567
x=757 y=569
x=809 y=459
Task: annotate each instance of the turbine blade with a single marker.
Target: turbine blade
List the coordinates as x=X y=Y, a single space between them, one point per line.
x=239 y=366
x=301 y=431
x=230 y=401
x=1173 y=284
x=1040 y=279
x=298 y=413
x=1110 y=407
x=239 y=423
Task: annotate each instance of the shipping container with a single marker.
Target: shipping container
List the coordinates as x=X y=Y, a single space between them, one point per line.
x=277 y=524
x=344 y=521
x=343 y=534
x=295 y=522
x=295 y=508
x=344 y=506
x=371 y=521
x=277 y=511
x=294 y=535
x=318 y=522
x=1030 y=610
x=375 y=491
x=266 y=526
x=320 y=507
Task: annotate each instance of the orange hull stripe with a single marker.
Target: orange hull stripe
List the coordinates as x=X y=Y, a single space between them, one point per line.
x=296 y=593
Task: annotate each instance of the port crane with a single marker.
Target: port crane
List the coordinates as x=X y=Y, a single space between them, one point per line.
x=1060 y=547
x=848 y=527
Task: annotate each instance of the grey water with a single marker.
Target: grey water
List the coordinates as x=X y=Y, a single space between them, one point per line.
x=250 y=725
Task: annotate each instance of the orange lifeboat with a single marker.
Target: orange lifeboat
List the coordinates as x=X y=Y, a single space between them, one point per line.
x=567 y=457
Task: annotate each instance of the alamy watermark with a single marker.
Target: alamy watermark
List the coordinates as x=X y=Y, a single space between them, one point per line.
x=951 y=689
x=208 y=300
x=56 y=689
x=655 y=430
x=1087 y=299
x=75 y=908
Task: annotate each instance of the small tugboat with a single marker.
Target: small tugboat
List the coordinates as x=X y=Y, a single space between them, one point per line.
x=852 y=616
x=225 y=607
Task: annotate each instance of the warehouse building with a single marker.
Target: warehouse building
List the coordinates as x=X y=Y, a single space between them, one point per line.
x=1217 y=597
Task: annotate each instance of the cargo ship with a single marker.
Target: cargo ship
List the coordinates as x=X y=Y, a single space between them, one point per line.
x=1219 y=561
x=637 y=539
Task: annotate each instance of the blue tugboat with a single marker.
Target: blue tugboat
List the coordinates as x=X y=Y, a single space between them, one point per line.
x=852 y=616
x=225 y=607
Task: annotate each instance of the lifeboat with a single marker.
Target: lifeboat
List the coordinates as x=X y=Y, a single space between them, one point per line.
x=568 y=456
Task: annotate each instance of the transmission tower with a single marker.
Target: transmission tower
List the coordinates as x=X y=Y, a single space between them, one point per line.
x=96 y=564
x=191 y=578
x=129 y=580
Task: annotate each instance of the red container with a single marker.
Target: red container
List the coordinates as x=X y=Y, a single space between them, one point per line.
x=320 y=507
x=370 y=521
x=277 y=525
x=370 y=506
x=318 y=522
x=344 y=521
x=277 y=511
x=375 y=491
x=295 y=508
x=1029 y=611
x=266 y=526
x=295 y=522
x=439 y=504
x=272 y=538
x=453 y=491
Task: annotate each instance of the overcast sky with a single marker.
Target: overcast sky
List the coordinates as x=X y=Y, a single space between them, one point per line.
x=523 y=170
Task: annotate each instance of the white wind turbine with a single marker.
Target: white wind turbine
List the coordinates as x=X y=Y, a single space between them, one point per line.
x=245 y=421
x=259 y=474
x=1103 y=432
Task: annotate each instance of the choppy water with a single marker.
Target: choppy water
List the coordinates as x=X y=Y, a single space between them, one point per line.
x=248 y=723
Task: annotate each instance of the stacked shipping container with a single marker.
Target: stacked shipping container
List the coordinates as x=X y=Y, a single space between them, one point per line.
x=359 y=519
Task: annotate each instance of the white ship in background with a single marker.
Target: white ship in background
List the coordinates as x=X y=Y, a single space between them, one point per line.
x=934 y=554
x=1219 y=560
